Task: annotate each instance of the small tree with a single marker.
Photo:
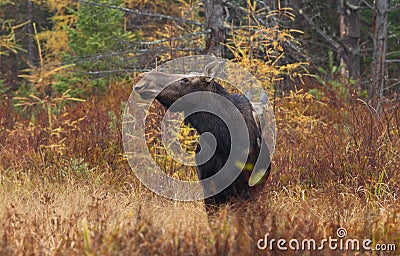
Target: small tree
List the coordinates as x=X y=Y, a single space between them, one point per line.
x=97 y=42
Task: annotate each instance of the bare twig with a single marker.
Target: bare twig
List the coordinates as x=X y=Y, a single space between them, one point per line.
x=393 y=61
x=339 y=49
x=394 y=7
x=258 y=18
x=391 y=86
x=104 y=72
x=391 y=53
x=367 y=4
x=172 y=38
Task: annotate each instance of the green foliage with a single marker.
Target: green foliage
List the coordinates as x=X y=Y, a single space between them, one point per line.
x=86 y=237
x=96 y=42
x=318 y=94
x=70 y=81
x=331 y=74
x=333 y=78
x=24 y=90
x=75 y=167
x=97 y=30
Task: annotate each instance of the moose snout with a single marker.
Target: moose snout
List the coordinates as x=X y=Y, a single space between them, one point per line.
x=145 y=92
x=152 y=83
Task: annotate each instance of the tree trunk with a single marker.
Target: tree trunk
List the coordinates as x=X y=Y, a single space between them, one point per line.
x=350 y=35
x=379 y=54
x=31 y=46
x=215 y=23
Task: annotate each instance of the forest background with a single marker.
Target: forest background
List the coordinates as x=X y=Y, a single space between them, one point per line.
x=67 y=68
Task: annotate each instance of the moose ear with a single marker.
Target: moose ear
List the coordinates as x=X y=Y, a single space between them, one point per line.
x=248 y=94
x=263 y=98
x=215 y=69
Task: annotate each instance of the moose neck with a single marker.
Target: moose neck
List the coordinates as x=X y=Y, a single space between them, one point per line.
x=205 y=122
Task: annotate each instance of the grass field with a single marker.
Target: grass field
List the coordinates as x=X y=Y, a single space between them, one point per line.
x=66 y=189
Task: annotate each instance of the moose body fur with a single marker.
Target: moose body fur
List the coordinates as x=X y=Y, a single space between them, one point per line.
x=205 y=122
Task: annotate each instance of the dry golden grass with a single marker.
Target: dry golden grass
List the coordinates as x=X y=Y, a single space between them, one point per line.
x=72 y=219
x=334 y=166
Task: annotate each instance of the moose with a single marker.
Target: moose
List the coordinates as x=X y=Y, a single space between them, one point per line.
x=169 y=88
